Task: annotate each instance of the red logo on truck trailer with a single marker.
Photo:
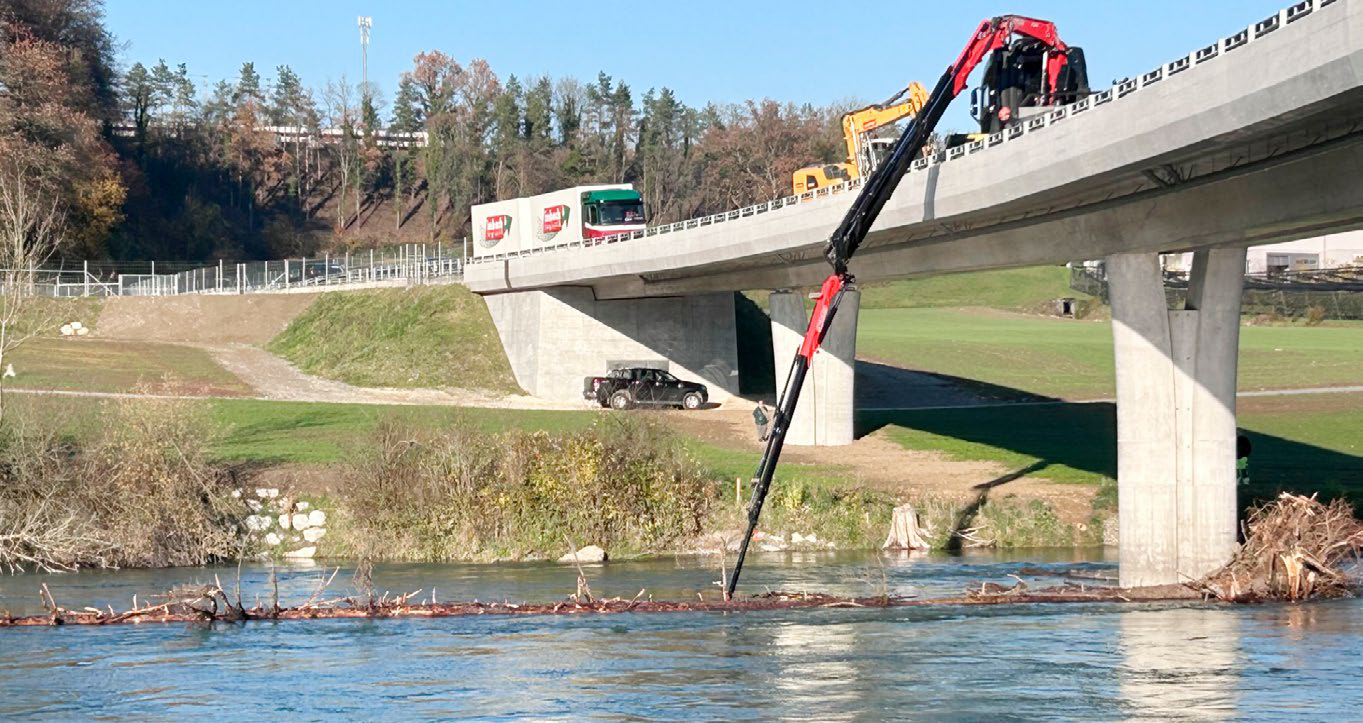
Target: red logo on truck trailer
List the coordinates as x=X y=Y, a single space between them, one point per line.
x=553 y=221
x=495 y=229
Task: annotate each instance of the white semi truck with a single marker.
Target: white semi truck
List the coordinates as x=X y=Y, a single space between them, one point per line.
x=582 y=213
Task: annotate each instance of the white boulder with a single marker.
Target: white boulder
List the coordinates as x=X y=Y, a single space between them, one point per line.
x=256 y=523
x=273 y=539
x=318 y=518
x=284 y=521
x=313 y=534
x=260 y=492
x=590 y=553
x=300 y=521
x=302 y=506
x=302 y=553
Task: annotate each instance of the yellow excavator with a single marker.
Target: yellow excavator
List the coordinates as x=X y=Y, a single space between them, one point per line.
x=857 y=129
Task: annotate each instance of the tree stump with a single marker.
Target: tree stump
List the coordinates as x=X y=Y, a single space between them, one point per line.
x=905 y=533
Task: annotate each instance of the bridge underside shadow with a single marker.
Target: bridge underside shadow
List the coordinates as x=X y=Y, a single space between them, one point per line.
x=1082 y=437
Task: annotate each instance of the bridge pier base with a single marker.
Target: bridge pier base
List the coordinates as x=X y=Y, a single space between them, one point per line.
x=825 y=415
x=556 y=337
x=1176 y=372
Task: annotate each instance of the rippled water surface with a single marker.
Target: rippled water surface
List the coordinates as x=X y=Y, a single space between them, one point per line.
x=1073 y=661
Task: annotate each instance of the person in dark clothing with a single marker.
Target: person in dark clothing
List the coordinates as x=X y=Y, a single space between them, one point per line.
x=761 y=417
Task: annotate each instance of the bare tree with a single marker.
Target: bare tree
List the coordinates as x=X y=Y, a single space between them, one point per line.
x=30 y=227
x=343 y=113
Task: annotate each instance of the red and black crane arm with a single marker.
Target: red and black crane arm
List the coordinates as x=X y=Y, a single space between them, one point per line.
x=842 y=245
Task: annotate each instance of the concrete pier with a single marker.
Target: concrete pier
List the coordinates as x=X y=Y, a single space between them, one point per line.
x=1176 y=372
x=825 y=415
x=556 y=337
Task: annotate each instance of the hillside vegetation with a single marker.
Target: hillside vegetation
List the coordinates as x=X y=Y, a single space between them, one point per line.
x=437 y=336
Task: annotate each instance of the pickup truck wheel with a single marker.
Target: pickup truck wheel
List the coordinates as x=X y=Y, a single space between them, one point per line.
x=691 y=400
x=621 y=400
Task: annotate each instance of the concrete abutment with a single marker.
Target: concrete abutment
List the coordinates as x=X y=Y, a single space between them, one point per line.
x=556 y=337
x=1176 y=380
x=825 y=415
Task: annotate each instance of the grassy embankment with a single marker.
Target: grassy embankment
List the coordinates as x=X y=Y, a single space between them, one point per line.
x=434 y=336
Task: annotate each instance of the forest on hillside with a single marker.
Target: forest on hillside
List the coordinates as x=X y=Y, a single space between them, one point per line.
x=148 y=165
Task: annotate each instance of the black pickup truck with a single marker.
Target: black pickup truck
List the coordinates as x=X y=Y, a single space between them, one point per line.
x=628 y=388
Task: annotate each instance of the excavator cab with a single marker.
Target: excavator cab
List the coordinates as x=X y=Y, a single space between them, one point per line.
x=1015 y=85
x=812 y=177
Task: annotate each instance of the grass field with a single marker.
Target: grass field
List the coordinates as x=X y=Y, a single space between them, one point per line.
x=436 y=336
x=1072 y=359
x=1014 y=289
x=96 y=365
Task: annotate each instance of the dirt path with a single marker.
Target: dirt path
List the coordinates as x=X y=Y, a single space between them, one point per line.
x=276 y=379
x=244 y=319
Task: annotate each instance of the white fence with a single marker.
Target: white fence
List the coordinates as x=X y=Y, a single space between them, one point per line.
x=391 y=266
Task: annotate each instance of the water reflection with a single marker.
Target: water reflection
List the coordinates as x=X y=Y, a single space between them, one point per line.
x=1180 y=662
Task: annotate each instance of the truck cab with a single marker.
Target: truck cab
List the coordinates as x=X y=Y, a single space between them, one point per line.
x=611 y=211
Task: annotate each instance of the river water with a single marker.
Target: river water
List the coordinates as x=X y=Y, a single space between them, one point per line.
x=1001 y=663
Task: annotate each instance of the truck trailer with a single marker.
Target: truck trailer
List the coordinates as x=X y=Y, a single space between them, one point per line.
x=582 y=213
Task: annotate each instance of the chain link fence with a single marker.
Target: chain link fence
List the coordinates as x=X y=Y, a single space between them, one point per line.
x=1326 y=294
x=388 y=266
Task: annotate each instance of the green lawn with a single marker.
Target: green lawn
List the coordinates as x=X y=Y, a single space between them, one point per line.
x=97 y=365
x=1073 y=359
x=435 y=336
x=1016 y=289
x=267 y=431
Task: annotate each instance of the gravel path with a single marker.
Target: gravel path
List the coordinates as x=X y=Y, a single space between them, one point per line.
x=276 y=379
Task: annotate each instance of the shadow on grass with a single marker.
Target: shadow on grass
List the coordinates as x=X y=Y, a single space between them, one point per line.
x=959 y=526
x=1082 y=437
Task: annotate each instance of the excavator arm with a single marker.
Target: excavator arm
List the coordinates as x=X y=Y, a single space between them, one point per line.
x=858 y=123
x=842 y=245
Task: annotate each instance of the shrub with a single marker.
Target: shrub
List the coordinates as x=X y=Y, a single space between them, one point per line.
x=463 y=494
x=137 y=494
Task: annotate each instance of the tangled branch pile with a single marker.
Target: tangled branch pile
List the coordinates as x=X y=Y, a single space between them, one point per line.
x=1295 y=550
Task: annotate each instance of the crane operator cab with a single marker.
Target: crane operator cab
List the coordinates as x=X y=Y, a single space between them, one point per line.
x=1025 y=78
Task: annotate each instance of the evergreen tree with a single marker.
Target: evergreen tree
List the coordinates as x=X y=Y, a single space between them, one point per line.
x=248 y=85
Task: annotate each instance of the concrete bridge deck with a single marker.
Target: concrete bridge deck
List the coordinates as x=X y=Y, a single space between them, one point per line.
x=1250 y=140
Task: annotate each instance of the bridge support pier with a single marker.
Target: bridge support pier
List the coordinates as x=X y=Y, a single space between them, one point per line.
x=825 y=415
x=1176 y=429
x=556 y=337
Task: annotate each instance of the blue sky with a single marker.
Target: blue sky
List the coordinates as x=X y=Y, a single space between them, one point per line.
x=704 y=50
